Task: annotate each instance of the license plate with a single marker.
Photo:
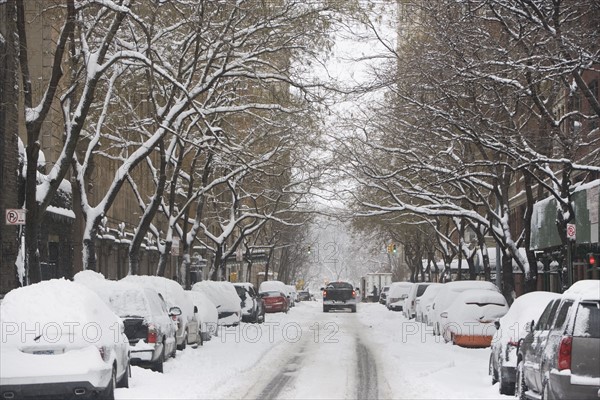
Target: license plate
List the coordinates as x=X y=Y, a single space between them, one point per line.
x=44 y=352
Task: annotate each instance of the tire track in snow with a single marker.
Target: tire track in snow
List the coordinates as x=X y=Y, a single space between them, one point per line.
x=366 y=371
x=281 y=381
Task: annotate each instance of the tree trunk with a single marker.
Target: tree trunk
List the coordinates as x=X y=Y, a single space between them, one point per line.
x=164 y=258
x=530 y=281
x=508 y=281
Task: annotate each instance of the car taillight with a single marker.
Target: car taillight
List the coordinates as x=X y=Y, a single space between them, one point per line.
x=512 y=343
x=353 y=294
x=104 y=352
x=152 y=334
x=564 y=353
x=324 y=293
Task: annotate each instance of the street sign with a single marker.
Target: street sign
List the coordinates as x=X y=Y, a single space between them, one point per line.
x=15 y=216
x=571 y=231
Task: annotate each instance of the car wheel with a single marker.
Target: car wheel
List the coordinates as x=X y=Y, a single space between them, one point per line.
x=109 y=392
x=545 y=391
x=521 y=386
x=505 y=387
x=158 y=364
x=491 y=370
x=353 y=309
x=325 y=309
x=184 y=343
x=124 y=381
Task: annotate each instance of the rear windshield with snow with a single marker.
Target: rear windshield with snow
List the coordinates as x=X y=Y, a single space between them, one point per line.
x=587 y=320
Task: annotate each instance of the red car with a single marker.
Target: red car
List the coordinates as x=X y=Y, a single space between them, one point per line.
x=275 y=301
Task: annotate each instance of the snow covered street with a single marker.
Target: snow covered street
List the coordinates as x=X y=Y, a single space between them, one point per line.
x=306 y=353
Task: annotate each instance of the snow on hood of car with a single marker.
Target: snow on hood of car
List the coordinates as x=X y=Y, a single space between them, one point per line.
x=57 y=312
x=477 y=305
x=524 y=309
x=171 y=291
x=222 y=294
x=397 y=289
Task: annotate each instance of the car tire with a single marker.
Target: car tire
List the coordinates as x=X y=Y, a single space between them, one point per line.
x=325 y=309
x=353 y=309
x=521 y=386
x=124 y=381
x=157 y=366
x=545 y=391
x=183 y=345
x=492 y=371
x=505 y=387
x=109 y=392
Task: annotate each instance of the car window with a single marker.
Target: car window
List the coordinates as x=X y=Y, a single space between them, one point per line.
x=543 y=321
x=587 y=320
x=421 y=289
x=561 y=317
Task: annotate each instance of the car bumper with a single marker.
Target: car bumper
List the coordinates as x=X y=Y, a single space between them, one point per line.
x=563 y=387
x=60 y=390
x=275 y=308
x=339 y=303
x=142 y=352
x=472 y=341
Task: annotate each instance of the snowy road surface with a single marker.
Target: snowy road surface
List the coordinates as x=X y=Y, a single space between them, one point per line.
x=308 y=354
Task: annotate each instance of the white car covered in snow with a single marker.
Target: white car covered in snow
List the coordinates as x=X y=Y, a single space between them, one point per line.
x=208 y=315
x=410 y=303
x=396 y=295
x=511 y=329
x=60 y=340
x=149 y=327
x=470 y=320
x=447 y=294
x=174 y=295
x=424 y=307
x=225 y=298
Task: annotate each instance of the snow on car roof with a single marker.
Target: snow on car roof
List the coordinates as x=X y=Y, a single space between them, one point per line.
x=58 y=309
x=125 y=299
x=171 y=291
x=222 y=294
x=584 y=290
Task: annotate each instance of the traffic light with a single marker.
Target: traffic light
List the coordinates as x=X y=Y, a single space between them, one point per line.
x=308 y=249
x=395 y=250
x=592 y=259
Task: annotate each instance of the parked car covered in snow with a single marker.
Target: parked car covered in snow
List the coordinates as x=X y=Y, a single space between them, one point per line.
x=383 y=295
x=253 y=309
x=410 y=303
x=560 y=357
x=149 y=328
x=397 y=293
x=225 y=298
x=277 y=286
x=425 y=302
x=174 y=295
x=470 y=319
x=511 y=328
x=207 y=315
x=59 y=340
x=447 y=294
x=275 y=301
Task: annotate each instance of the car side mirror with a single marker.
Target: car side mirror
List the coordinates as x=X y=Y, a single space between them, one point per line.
x=497 y=324
x=444 y=314
x=175 y=311
x=195 y=309
x=321 y=289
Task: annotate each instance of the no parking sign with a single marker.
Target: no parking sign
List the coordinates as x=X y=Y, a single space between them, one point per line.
x=15 y=216
x=571 y=231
